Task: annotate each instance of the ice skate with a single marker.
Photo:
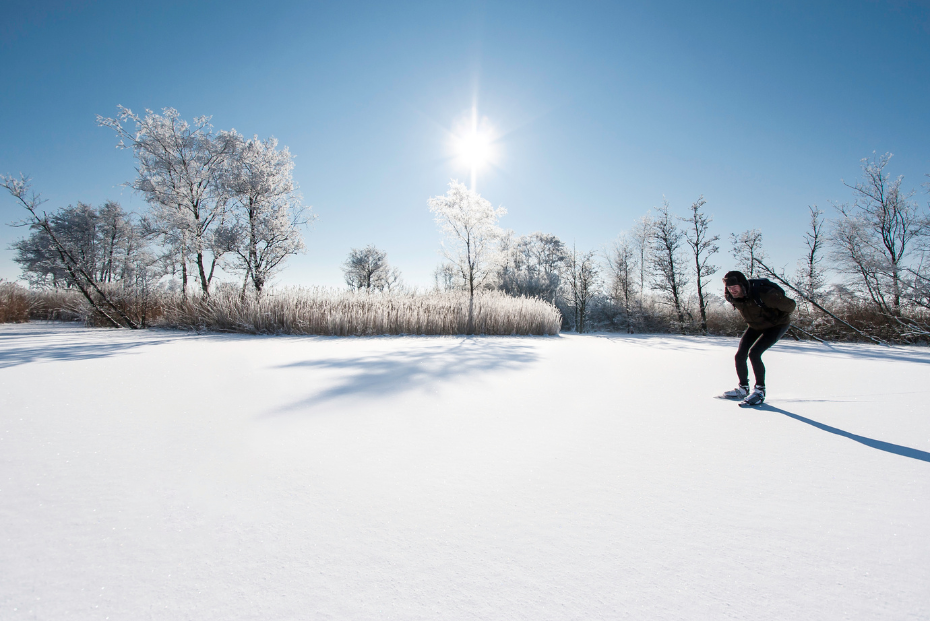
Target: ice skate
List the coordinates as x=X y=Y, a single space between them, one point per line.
x=738 y=393
x=756 y=397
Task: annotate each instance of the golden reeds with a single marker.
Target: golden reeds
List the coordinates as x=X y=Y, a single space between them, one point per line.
x=342 y=313
x=302 y=311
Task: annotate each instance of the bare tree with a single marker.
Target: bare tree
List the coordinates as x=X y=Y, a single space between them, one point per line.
x=368 y=269
x=810 y=275
x=918 y=291
x=703 y=247
x=851 y=257
x=667 y=262
x=179 y=167
x=747 y=250
x=80 y=274
x=622 y=265
x=580 y=280
x=641 y=235
x=769 y=272
x=873 y=236
x=444 y=278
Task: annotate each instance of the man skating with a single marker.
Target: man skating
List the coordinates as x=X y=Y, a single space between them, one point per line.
x=767 y=310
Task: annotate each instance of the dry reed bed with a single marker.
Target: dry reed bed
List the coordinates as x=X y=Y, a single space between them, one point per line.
x=297 y=311
x=340 y=313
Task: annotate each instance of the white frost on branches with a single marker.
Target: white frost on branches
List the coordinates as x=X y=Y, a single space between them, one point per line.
x=469 y=223
x=179 y=166
x=264 y=209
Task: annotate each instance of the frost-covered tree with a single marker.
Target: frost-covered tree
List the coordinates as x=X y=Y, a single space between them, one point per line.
x=641 y=237
x=873 y=237
x=73 y=246
x=580 y=281
x=444 y=277
x=918 y=291
x=469 y=223
x=747 y=249
x=530 y=265
x=703 y=246
x=264 y=211
x=121 y=242
x=623 y=268
x=179 y=167
x=38 y=257
x=104 y=241
x=810 y=274
x=667 y=261
x=367 y=269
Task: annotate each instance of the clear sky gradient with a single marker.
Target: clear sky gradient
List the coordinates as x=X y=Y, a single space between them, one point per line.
x=601 y=108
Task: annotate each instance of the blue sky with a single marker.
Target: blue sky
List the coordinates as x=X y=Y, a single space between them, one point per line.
x=601 y=108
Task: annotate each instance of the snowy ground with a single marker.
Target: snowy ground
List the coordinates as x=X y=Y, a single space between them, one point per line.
x=160 y=475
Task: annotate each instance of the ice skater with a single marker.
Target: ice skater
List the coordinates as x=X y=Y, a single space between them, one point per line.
x=767 y=310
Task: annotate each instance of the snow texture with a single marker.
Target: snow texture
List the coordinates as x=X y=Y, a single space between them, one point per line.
x=162 y=475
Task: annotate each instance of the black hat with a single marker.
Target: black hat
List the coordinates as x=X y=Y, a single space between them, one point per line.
x=735 y=278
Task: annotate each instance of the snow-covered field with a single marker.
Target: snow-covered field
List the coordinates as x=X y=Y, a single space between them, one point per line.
x=161 y=475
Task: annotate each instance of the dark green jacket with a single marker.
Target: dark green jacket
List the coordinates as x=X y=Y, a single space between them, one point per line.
x=776 y=309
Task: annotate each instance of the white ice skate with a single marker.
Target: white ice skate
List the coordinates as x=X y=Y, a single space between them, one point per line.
x=738 y=393
x=756 y=397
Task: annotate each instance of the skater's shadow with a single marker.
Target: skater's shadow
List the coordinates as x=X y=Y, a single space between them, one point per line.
x=897 y=449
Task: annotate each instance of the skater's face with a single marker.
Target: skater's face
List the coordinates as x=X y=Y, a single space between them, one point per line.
x=735 y=290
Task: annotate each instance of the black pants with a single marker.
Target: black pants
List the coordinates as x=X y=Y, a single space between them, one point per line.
x=751 y=346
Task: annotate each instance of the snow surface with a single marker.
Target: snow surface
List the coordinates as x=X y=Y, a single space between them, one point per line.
x=162 y=475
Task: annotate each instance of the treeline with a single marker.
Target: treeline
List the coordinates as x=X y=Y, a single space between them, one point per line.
x=865 y=273
x=218 y=203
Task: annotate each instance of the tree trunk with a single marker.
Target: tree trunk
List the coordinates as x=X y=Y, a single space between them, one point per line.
x=183 y=272
x=700 y=291
x=204 y=283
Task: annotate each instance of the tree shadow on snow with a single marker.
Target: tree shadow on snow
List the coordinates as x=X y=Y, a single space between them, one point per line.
x=897 y=449
x=391 y=372
x=44 y=343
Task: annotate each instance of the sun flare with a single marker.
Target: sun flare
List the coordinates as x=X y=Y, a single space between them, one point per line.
x=474 y=144
x=475 y=149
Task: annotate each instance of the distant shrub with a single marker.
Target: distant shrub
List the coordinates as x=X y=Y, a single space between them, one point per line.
x=58 y=305
x=724 y=320
x=15 y=303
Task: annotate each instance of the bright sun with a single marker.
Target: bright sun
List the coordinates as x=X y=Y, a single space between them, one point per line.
x=474 y=144
x=475 y=149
